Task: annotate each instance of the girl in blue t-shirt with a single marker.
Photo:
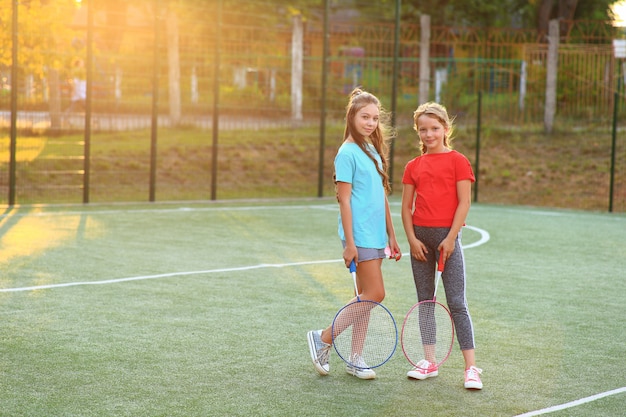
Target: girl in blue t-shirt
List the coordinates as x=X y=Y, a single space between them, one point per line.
x=365 y=225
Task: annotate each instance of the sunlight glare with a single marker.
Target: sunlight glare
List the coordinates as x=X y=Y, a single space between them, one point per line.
x=618 y=10
x=33 y=235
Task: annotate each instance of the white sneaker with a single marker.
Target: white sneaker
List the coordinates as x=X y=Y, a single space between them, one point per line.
x=320 y=351
x=423 y=370
x=359 y=368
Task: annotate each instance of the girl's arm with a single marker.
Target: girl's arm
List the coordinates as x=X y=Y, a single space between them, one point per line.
x=464 y=194
x=396 y=252
x=344 y=192
x=418 y=250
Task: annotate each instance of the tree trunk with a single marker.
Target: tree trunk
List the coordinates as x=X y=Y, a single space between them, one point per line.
x=551 y=75
x=543 y=16
x=54 y=103
x=564 y=10
x=297 y=54
x=424 y=84
x=567 y=9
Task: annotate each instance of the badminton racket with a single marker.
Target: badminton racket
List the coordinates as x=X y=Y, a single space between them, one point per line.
x=364 y=332
x=428 y=329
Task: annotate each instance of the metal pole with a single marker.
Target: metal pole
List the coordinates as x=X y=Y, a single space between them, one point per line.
x=216 y=99
x=154 y=128
x=613 y=146
x=394 y=86
x=325 y=53
x=477 y=163
x=13 y=145
x=88 y=99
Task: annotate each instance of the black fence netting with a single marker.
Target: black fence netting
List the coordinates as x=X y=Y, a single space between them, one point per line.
x=154 y=100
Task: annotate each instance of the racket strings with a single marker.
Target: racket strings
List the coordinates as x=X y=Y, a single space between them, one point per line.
x=365 y=334
x=427 y=323
x=356 y=314
x=427 y=333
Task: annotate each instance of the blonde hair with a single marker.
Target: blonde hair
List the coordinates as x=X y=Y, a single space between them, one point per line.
x=379 y=138
x=439 y=112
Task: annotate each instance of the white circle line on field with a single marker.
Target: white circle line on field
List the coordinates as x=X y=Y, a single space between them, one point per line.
x=484 y=238
x=573 y=403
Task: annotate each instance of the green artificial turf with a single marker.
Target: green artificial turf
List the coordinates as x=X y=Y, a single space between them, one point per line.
x=201 y=309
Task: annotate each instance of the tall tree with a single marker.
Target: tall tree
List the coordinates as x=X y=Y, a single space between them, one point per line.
x=554 y=9
x=505 y=13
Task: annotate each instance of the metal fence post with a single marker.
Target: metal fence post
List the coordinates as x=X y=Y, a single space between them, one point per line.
x=13 y=145
x=477 y=161
x=394 y=86
x=88 y=101
x=155 y=104
x=216 y=99
x=613 y=146
x=320 y=173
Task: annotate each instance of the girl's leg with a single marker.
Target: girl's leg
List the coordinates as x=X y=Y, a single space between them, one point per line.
x=424 y=272
x=370 y=283
x=468 y=356
x=424 y=278
x=369 y=279
x=454 y=284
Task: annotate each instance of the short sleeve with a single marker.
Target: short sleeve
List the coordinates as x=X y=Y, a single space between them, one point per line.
x=464 y=168
x=345 y=166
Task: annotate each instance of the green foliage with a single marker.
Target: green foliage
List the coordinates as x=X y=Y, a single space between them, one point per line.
x=37 y=22
x=594 y=9
x=495 y=13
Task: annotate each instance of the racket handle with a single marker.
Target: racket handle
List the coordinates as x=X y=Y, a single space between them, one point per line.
x=441 y=262
x=353 y=273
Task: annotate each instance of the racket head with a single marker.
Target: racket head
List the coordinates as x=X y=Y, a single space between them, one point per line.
x=427 y=330
x=368 y=327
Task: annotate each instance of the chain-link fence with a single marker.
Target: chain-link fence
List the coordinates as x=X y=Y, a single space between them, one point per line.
x=157 y=100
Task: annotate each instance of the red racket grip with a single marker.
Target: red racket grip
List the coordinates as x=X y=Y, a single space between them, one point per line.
x=441 y=262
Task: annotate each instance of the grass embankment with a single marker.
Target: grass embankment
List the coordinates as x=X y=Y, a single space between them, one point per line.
x=565 y=169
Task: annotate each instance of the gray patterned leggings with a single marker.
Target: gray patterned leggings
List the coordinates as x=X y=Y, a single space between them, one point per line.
x=453 y=278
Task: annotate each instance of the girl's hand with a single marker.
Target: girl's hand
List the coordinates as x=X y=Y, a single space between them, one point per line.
x=350 y=253
x=418 y=250
x=394 y=250
x=446 y=247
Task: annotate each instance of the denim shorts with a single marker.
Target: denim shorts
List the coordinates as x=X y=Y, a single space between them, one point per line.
x=368 y=254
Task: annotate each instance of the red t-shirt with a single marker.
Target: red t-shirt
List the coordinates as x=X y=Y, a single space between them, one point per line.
x=434 y=177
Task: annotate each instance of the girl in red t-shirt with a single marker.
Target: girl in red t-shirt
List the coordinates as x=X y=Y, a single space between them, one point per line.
x=436 y=198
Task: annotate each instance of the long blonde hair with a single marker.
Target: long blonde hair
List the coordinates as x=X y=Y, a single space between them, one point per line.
x=380 y=137
x=440 y=113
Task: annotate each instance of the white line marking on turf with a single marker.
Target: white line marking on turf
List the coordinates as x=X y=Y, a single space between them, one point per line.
x=168 y=210
x=573 y=403
x=166 y=275
x=484 y=238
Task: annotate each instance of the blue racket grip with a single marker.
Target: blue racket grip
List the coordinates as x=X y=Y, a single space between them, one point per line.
x=352 y=266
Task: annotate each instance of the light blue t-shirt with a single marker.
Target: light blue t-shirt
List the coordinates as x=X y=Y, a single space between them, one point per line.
x=353 y=166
